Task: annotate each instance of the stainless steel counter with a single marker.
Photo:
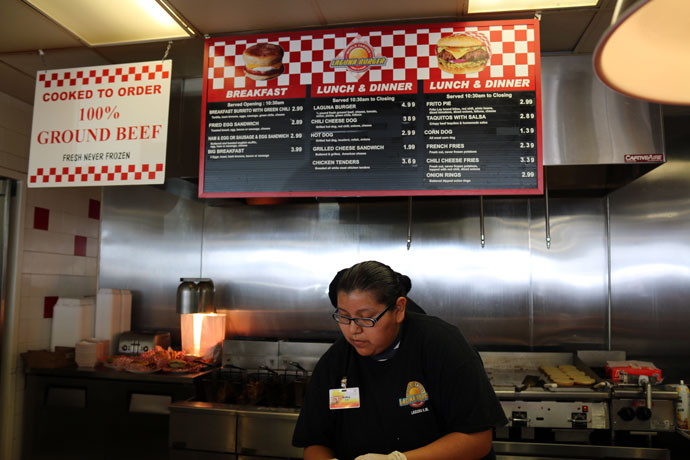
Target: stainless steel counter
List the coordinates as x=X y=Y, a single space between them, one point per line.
x=212 y=428
x=100 y=372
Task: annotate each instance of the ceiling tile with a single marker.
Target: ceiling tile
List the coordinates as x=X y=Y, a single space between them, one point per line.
x=23 y=28
x=594 y=31
x=30 y=62
x=233 y=16
x=187 y=55
x=362 y=11
x=561 y=30
x=17 y=84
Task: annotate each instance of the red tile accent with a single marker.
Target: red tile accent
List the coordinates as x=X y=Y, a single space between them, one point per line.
x=79 y=245
x=49 y=305
x=94 y=209
x=41 y=218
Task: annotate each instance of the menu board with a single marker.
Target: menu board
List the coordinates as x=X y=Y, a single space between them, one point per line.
x=434 y=109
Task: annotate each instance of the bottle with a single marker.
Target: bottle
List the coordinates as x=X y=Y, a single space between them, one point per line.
x=682 y=409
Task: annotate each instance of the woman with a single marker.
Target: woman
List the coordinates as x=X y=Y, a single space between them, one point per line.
x=397 y=385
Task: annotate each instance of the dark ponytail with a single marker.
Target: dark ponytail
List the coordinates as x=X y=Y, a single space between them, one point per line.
x=379 y=279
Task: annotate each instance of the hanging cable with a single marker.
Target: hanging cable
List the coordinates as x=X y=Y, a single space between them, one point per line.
x=546 y=212
x=481 y=221
x=43 y=59
x=167 y=50
x=409 y=222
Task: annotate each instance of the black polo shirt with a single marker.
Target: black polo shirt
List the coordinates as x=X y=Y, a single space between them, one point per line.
x=435 y=384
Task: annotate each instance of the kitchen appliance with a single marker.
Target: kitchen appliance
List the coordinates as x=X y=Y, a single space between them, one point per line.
x=253 y=400
x=201 y=328
x=643 y=405
x=531 y=400
x=202 y=335
x=244 y=403
x=195 y=295
x=135 y=342
x=548 y=420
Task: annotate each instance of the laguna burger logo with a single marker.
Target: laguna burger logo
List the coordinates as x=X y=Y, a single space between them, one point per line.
x=358 y=56
x=415 y=396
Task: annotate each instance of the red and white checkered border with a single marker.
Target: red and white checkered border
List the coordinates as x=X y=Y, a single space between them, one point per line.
x=104 y=174
x=103 y=75
x=410 y=52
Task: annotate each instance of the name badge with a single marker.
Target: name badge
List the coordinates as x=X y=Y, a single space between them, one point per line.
x=343 y=398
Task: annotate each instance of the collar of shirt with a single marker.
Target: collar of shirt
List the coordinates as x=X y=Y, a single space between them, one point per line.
x=389 y=352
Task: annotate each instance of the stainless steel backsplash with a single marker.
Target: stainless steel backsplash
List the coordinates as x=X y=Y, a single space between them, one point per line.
x=272 y=264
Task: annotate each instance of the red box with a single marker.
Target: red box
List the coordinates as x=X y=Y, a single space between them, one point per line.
x=616 y=370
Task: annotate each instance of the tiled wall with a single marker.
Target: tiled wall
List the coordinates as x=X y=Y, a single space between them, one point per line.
x=60 y=259
x=60 y=256
x=59 y=250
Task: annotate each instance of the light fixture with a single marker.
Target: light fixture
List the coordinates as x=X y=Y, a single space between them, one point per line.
x=202 y=335
x=109 y=22
x=493 y=6
x=644 y=54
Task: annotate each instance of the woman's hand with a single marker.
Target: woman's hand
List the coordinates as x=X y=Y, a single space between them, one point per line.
x=392 y=456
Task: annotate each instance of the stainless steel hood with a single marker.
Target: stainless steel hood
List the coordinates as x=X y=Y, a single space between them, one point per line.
x=584 y=122
x=595 y=140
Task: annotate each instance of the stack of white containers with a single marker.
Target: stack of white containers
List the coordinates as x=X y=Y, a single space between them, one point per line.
x=73 y=320
x=113 y=315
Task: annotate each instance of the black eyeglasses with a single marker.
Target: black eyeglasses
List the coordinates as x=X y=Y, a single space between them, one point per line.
x=361 y=322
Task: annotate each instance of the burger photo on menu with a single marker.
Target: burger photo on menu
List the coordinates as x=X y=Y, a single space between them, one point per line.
x=263 y=61
x=462 y=53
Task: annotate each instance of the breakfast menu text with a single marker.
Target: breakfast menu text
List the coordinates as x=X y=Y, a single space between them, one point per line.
x=442 y=109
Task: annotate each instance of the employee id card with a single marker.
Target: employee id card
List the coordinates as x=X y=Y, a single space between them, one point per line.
x=343 y=398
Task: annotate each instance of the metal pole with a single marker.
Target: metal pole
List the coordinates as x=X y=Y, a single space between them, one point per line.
x=482 y=235
x=546 y=212
x=11 y=324
x=409 y=222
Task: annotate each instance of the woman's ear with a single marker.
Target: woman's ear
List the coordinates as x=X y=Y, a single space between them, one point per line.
x=400 y=308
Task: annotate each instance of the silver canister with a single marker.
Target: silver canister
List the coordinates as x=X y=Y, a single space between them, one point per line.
x=206 y=291
x=195 y=295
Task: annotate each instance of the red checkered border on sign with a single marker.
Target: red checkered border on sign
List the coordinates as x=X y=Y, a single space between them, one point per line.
x=410 y=53
x=129 y=73
x=102 y=174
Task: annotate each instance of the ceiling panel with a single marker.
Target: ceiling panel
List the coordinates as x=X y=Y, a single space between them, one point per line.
x=561 y=30
x=17 y=84
x=187 y=55
x=594 y=31
x=362 y=11
x=23 y=28
x=30 y=62
x=232 y=16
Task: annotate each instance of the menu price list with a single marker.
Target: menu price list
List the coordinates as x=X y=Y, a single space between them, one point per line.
x=446 y=141
x=366 y=133
x=484 y=140
x=242 y=130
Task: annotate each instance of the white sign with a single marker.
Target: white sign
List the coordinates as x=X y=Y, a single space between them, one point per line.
x=105 y=125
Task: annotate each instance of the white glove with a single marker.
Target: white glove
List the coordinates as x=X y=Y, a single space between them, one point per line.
x=392 y=456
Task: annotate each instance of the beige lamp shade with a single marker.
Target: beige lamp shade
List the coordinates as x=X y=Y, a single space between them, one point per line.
x=646 y=53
